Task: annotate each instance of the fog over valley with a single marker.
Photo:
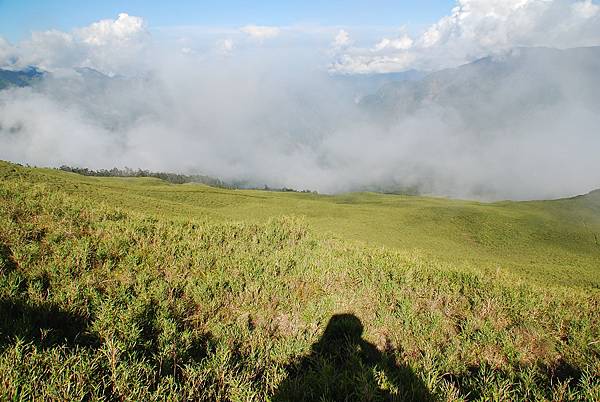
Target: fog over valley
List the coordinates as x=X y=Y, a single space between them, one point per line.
x=492 y=102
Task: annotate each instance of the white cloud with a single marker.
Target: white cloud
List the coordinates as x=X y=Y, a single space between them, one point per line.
x=261 y=33
x=587 y=9
x=225 y=46
x=402 y=43
x=124 y=29
x=7 y=52
x=476 y=28
x=272 y=120
x=110 y=46
x=368 y=64
x=341 y=40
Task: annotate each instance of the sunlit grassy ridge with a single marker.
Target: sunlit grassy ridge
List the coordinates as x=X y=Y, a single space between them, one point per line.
x=555 y=242
x=135 y=289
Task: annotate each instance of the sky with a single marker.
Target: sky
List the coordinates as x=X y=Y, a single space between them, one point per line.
x=344 y=37
x=18 y=18
x=349 y=37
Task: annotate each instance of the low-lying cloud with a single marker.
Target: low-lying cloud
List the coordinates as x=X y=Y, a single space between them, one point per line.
x=258 y=106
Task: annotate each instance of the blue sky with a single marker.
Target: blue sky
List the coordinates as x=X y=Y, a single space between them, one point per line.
x=19 y=17
x=346 y=36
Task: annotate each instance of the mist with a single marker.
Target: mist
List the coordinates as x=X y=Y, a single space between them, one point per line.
x=273 y=113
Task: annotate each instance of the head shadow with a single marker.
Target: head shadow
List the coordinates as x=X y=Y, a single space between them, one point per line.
x=45 y=324
x=342 y=366
x=7 y=260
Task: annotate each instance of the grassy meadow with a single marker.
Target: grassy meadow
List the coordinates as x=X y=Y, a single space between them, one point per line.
x=136 y=289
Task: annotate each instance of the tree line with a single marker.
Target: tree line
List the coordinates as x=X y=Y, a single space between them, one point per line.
x=174 y=178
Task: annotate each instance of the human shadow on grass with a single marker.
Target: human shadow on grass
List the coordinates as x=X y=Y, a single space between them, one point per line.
x=7 y=260
x=476 y=380
x=344 y=367
x=44 y=324
x=47 y=325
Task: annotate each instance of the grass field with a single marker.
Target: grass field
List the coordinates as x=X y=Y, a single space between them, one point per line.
x=135 y=289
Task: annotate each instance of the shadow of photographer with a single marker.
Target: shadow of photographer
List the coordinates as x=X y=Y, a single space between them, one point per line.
x=342 y=366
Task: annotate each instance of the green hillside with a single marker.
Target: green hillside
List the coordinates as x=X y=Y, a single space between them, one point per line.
x=135 y=289
x=552 y=242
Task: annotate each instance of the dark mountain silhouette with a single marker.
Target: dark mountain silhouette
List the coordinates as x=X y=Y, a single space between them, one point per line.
x=19 y=78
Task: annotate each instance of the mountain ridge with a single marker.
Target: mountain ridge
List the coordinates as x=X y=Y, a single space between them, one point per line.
x=20 y=78
x=523 y=76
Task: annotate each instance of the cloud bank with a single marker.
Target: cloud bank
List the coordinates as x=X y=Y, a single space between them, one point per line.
x=111 y=46
x=256 y=105
x=261 y=32
x=477 y=28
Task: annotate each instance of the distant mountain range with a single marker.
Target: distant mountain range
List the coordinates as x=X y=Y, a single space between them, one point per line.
x=512 y=82
x=358 y=85
x=498 y=89
x=33 y=75
x=365 y=84
x=19 y=78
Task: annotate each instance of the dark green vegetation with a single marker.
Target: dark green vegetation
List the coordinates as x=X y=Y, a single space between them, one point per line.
x=128 y=172
x=173 y=178
x=136 y=289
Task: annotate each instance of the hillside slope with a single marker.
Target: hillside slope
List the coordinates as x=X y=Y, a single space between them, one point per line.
x=550 y=242
x=132 y=289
